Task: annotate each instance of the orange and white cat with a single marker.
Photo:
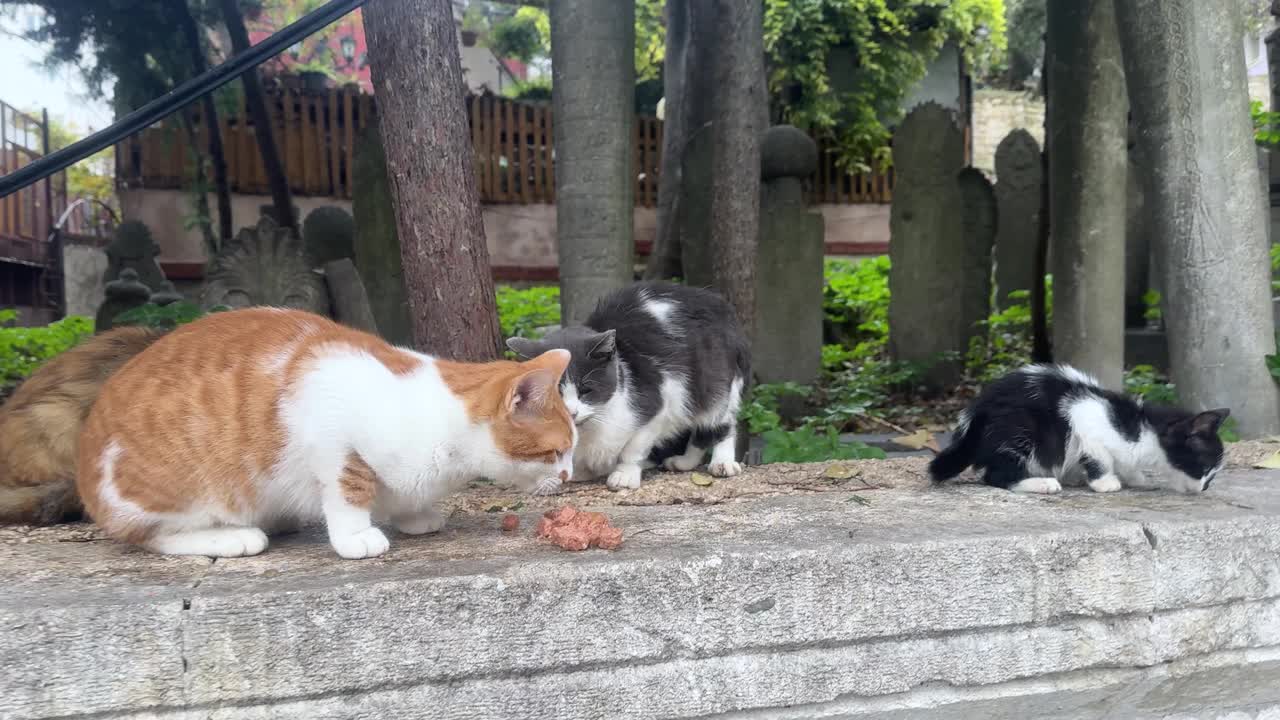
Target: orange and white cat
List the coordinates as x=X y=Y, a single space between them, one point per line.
x=259 y=419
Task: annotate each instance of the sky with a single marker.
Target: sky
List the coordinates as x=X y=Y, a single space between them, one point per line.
x=26 y=85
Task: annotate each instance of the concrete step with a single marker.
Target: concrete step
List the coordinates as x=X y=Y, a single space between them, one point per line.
x=953 y=602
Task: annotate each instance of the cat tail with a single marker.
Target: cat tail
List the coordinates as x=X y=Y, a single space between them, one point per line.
x=39 y=505
x=961 y=453
x=41 y=422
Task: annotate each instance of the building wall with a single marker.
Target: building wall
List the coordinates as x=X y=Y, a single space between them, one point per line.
x=518 y=236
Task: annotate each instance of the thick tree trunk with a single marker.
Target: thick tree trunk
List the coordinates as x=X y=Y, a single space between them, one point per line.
x=1186 y=80
x=739 y=111
x=217 y=156
x=664 y=261
x=422 y=114
x=1086 y=117
x=256 y=103
x=593 y=96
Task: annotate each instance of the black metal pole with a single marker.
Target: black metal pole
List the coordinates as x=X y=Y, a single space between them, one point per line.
x=178 y=98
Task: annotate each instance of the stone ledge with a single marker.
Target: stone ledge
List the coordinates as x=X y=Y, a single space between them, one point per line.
x=962 y=598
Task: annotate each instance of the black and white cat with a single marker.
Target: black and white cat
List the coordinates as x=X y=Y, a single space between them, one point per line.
x=1043 y=424
x=655 y=364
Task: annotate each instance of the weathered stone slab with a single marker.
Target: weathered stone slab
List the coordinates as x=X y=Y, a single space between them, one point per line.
x=959 y=598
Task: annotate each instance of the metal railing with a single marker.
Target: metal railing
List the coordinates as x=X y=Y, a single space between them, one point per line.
x=178 y=98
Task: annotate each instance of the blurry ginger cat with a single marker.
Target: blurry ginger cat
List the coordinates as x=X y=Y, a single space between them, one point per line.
x=41 y=421
x=252 y=420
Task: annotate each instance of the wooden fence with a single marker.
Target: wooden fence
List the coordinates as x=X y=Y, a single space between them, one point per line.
x=513 y=142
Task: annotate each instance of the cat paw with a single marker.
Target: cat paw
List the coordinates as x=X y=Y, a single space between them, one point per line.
x=682 y=463
x=1106 y=484
x=366 y=543
x=426 y=521
x=1038 y=485
x=626 y=477
x=725 y=468
x=224 y=542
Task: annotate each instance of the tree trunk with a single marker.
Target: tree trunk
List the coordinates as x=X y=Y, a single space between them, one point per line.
x=593 y=97
x=1086 y=117
x=422 y=115
x=1190 y=103
x=739 y=111
x=256 y=103
x=664 y=260
x=217 y=156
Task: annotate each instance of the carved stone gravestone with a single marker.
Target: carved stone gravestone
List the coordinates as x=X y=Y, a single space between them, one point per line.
x=328 y=234
x=927 y=244
x=980 y=224
x=264 y=265
x=693 y=209
x=788 y=344
x=135 y=249
x=1019 y=175
x=377 y=244
x=124 y=293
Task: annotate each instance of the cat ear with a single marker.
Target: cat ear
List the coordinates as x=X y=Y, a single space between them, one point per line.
x=524 y=347
x=1208 y=422
x=605 y=346
x=556 y=360
x=529 y=392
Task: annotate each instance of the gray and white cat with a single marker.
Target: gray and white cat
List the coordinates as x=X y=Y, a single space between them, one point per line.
x=656 y=364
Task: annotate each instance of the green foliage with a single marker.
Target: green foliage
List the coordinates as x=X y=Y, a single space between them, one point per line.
x=1266 y=126
x=24 y=349
x=93 y=177
x=760 y=411
x=1006 y=344
x=522 y=312
x=164 y=317
x=1152 y=299
x=1025 y=24
x=809 y=445
x=532 y=90
x=879 y=49
x=1275 y=268
x=855 y=300
x=1146 y=382
x=525 y=35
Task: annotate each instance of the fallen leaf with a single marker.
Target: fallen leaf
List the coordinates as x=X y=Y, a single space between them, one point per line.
x=700 y=480
x=918 y=440
x=858 y=499
x=1272 y=462
x=838 y=472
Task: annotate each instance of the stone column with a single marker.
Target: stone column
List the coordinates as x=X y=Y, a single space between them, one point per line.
x=788 y=339
x=1087 y=128
x=1187 y=82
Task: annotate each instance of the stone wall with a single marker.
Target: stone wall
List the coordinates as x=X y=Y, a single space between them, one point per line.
x=996 y=113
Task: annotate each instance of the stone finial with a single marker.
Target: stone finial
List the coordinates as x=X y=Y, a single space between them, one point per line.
x=328 y=233
x=124 y=293
x=787 y=151
x=168 y=294
x=133 y=247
